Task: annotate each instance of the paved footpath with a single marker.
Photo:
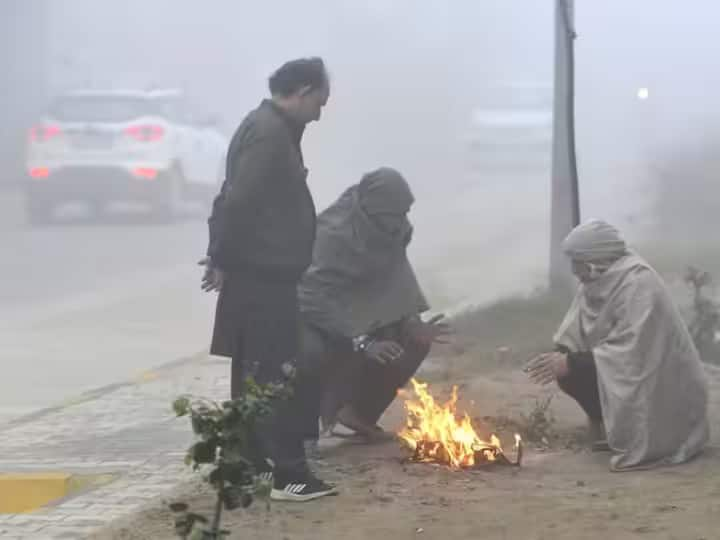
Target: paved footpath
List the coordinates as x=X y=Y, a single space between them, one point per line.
x=127 y=429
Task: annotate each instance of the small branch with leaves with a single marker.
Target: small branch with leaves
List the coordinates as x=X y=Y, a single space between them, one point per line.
x=704 y=325
x=223 y=449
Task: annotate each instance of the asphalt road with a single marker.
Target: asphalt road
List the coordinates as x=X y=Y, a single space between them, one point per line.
x=83 y=305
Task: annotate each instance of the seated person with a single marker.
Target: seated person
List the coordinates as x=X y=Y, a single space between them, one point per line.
x=624 y=354
x=360 y=304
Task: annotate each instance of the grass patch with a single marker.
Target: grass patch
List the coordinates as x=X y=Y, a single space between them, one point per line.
x=501 y=335
x=524 y=324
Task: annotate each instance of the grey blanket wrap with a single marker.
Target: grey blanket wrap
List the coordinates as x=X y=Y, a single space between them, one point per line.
x=361 y=279
x=651 y=382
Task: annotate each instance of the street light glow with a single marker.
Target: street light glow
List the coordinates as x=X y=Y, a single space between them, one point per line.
x=643 y=93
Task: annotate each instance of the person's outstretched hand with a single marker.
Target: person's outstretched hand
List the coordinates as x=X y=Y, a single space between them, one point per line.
x=433 y=331
x=548 y=367
x=213 y=278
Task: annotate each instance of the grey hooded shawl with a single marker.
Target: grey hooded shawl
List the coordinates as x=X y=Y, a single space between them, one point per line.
x=360 y=278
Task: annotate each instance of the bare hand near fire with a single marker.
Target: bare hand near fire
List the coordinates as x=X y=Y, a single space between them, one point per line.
x=384 y=352
x=213 y=278
x=548 y=367
x=432 y=331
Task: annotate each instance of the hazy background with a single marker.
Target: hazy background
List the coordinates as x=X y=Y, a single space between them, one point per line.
x=101 y=301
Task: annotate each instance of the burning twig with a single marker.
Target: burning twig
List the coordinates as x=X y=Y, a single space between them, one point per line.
x=494 y=455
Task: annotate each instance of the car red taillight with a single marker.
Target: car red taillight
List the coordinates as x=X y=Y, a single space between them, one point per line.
x=39 y=172
x=146 y=173
x=44 y=133
x=145 y=132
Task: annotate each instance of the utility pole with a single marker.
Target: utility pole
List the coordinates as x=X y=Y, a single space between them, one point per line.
x=565 y=202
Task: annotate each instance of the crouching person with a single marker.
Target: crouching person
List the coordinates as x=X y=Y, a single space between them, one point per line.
x=361 y=304
x=624 y=354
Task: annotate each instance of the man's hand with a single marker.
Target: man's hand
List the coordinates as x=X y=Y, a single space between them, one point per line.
x=213 y=278
x=548 y=367
x=384 y=352
x=427 y=333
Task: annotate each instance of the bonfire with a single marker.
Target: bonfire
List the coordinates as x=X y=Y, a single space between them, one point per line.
x=436 y=433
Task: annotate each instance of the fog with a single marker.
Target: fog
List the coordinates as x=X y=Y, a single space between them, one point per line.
x=406 y=76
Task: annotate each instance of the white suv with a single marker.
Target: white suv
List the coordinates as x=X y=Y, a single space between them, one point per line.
x=99 y=147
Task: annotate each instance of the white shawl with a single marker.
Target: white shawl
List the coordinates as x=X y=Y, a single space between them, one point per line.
x=651 y=381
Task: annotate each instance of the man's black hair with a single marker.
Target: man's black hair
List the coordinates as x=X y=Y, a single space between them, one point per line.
x=297 y=74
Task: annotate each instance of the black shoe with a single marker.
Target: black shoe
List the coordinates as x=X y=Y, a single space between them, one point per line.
x=300 y=488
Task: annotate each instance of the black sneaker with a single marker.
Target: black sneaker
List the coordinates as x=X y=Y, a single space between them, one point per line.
x=301 y=488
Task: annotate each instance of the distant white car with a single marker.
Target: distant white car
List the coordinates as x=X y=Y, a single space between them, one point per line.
x=100 y=147
x=511 y=129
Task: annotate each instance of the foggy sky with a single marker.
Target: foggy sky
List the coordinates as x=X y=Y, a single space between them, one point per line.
x=405 y=77
x=405 y=72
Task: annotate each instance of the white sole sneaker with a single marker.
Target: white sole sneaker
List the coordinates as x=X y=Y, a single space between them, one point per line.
x=294 y=493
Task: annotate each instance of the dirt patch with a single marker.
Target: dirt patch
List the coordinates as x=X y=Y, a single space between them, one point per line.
x=562 y=492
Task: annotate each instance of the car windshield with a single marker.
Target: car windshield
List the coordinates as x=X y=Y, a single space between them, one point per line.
x=106 y=108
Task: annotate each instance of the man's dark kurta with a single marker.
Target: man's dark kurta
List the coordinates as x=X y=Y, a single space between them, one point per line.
x=263 y=222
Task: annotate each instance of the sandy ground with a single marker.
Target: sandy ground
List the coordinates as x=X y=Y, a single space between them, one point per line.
x=561 y=491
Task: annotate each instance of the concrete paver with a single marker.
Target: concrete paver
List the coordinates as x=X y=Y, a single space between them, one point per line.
x=129 y=430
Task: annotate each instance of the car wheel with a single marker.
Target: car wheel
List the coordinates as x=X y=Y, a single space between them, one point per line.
x=97 y=210
x=39 y=212
x=210 y=192
x=167 y=207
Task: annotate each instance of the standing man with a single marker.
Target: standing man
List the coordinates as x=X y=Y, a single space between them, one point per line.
x=262 y=231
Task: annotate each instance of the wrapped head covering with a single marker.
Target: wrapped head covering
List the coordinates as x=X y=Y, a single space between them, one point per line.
x=385 y=191
x=594 y=241
x=360 y=278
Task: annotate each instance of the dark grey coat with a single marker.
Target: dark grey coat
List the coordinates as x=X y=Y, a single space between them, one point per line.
x=262 y=225
x=264 y=216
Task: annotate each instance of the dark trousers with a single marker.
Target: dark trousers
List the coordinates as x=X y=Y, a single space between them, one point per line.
x=581 y=384
x=264 y=319
x=340 y=377
x=369 y=387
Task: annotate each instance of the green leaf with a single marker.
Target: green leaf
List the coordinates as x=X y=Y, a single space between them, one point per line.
x=197 y=518
x=239 y=474
x=207 y=535
x=185 y=522
x=199 y=534
x=178 y=507
x=204 y=425
x=181 y=406
x=182 y=525
x=236 y=452
x=204 y=452
x=263 y=489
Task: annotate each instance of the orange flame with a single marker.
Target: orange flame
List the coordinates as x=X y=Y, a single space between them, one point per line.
x=435 y=433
